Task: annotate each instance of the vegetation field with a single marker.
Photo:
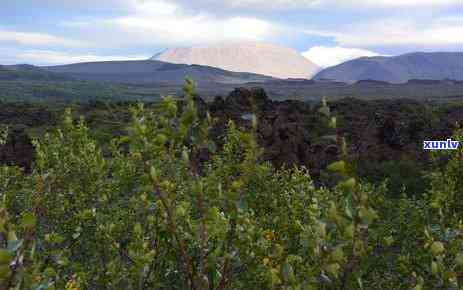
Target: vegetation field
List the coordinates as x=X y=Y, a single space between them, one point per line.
x=180 y=194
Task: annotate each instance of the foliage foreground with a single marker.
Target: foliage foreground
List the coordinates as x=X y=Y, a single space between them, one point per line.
x=151 y=211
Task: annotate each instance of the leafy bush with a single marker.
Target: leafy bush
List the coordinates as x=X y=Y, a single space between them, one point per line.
x=403 y=176
x=165 y=208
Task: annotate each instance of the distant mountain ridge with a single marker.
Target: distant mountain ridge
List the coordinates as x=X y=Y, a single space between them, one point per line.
x=253 y=57
x=27 y=72
x=152 y=72
x=398 y=69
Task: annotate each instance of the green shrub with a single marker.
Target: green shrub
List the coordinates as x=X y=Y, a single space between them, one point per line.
x=153 y=213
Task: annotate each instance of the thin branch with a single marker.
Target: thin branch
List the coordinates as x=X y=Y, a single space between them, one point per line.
x=173 y=228
x=225 y=269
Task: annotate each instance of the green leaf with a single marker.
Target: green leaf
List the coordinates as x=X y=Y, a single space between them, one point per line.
x=349 y=231
x=28 y=221
x=338 y=254
x=12 y=236
x=389 y=241
x=212 y=147
x=13 y=246
x=349 y=209
x=437 y=248
x=360 y=282
x=434 y=268
x=160 y=139
x=321 y=229
x=333 y=123
x=459 y=259
x=154 y=174
x=254 y=121
x=367 y=215
x=333 y=269
x=5 y=272
x=287 y=272
x=338 y=166
x=348 y=184
x=5 y=257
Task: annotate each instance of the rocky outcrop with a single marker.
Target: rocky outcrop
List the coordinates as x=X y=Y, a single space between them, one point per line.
x=290 y=132
x=294 y=132
x=18 y=149
x=284 y=128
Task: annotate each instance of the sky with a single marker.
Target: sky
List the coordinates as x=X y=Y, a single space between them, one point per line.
x=328 y=32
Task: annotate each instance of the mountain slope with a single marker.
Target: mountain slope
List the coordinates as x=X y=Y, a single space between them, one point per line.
x=259 y=58
x=27 y=72
x=151 y=71
x=398 y=69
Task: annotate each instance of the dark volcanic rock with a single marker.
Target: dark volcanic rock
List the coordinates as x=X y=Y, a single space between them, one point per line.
x=18 y=149
x=372 y=83
x=247 y=100
x=293 y=132
x=290 y=132
x=284 y=128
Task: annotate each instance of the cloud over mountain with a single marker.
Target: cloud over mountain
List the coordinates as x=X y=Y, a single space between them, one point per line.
x=329 y=56
x=135 y=27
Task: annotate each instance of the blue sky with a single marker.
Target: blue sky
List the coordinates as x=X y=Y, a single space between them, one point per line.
x=46 y=32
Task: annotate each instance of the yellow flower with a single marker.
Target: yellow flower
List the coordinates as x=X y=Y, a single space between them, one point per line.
x=268 y=236
x=71 y=285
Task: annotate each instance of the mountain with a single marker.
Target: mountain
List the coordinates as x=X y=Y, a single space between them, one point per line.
x=259 y=58
x=398 y=69
x=27 y=72
x=152 y=72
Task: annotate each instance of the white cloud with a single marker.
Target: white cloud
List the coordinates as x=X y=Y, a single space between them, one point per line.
x=164 y=23
x=331 y=56
x=397 y=3
x=161 y=23
x=190 y=30
x=210 y=5
x=262 y=4
x=37 y=39
x=398 y=32
x=309 y=4
x=49 y=57
x=145 y=24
